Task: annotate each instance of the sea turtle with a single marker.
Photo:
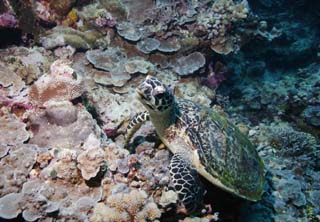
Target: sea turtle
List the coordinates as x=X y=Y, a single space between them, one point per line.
x=202 y=141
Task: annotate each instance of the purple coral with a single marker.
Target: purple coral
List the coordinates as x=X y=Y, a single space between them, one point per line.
x=8 y=20
x=217 y=74
x=105 y=22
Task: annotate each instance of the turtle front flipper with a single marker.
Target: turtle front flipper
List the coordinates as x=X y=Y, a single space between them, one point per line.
x=186 y=183
x=134 y=125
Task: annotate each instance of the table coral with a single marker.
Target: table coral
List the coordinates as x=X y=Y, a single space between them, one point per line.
x=189 y=64
x=129 y=31
x=138 y=65
x=110 y=66
x=105 y=59
x=148 y=45
x=169 y=45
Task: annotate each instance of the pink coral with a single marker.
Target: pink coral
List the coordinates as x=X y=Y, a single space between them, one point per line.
x=8 y=20
x=217 y=74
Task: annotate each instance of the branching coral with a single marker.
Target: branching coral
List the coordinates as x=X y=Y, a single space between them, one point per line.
x=219 y=21
x=127 y=205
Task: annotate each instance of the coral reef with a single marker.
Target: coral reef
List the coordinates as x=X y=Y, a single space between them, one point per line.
x=27 y=63
x=290 y=156
x=218 y=20
x=68 y=74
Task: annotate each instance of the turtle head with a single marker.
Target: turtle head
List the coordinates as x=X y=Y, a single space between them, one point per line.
x=155 y=95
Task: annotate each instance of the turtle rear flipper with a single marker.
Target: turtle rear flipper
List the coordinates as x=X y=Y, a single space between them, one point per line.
x=186 y=183
x=134 y=125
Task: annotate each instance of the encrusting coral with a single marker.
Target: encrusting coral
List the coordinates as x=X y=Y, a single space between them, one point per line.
x=15 y=168
x=62 y=125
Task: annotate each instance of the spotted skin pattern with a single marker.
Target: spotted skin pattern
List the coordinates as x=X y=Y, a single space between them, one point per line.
x=134 y=125
x=137 y=119
x=186 y=183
